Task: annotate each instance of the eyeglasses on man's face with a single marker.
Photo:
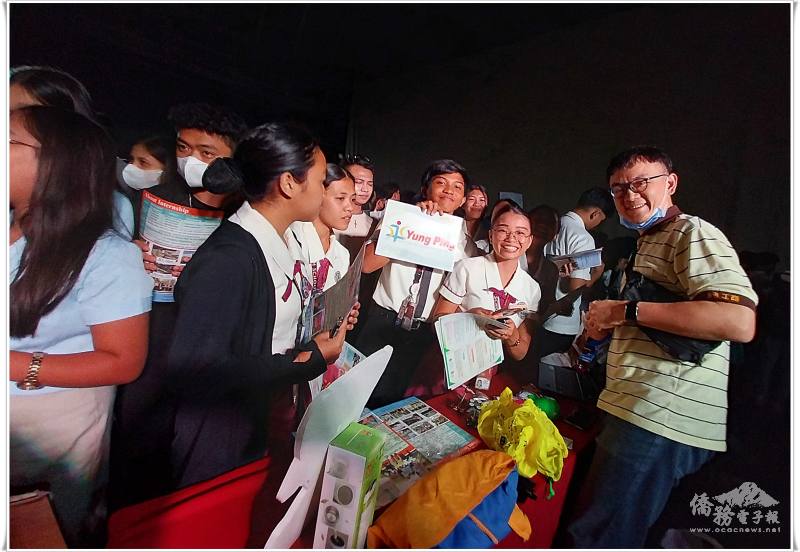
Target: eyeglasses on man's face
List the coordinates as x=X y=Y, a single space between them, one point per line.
x=639 y=185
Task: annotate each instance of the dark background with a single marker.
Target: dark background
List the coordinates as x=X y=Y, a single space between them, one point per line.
x=529 y=97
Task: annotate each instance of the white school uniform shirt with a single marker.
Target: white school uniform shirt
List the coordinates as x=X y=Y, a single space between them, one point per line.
x=286 y=272
x=112 y=286
x=358 y=227
x=572 y=238
x=476 y=282
x=308 y=248
x=397 y=278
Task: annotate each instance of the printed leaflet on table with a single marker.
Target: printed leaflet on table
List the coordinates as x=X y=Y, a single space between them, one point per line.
x=417 y=438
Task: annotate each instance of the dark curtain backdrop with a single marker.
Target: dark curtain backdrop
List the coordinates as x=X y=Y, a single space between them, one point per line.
x=538 y=111
x=708 y=83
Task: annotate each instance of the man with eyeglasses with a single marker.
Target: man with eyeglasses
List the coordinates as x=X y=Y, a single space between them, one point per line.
x=667 y=415
x=558 y=332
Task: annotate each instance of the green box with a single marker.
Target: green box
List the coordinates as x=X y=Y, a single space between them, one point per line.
x=350 y=487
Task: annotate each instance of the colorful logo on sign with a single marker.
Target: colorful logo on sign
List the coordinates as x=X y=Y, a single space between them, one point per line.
x=397 y=231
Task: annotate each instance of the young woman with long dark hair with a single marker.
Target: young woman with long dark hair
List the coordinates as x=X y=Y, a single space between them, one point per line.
x=235 y=353
x=40 y=85
x=79 y=299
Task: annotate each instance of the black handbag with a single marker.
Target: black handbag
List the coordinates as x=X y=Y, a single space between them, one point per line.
x=639 y=288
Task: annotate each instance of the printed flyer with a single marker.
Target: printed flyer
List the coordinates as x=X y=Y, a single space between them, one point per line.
x=329 y=309
x=408 y=234
x=349 y=357
x=466 y=349
x=417 y=438
x=173 y=233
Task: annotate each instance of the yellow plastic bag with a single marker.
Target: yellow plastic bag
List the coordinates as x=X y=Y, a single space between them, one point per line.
x=525 y=433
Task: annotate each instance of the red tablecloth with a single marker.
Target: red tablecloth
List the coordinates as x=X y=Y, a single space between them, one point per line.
x=543 y=514
x=236 y=509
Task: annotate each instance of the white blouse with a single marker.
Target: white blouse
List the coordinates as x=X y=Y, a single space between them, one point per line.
x=476 y=282
x=286 y=271
x=306 y=245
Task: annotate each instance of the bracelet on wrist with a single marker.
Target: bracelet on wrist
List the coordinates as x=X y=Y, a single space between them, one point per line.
x=31 y=380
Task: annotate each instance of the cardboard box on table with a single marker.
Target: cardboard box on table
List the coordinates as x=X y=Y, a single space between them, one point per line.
x=349 y=488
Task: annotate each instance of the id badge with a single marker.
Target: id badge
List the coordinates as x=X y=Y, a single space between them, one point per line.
x=405 y=317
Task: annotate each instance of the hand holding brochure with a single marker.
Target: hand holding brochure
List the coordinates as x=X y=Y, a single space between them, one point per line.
x=582 y=259
x=173 y=233
x=328 y=310
x=466 y=349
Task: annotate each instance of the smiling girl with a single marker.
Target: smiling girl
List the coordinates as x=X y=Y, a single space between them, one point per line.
x=489 y=284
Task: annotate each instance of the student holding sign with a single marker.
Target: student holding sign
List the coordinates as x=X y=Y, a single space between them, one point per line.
x=495 y=283
x=235 y=353
x=406 y=292
x=326 y=260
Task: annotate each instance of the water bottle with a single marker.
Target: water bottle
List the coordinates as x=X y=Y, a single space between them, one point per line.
x=594 y=342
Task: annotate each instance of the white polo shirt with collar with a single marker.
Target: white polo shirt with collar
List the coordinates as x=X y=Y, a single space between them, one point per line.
x=308 y=247
x=286 y=272
x=572 y=238
x=475 y=282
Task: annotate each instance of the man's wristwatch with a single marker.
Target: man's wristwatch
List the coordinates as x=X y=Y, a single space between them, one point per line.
x=31 y=381
x=632 y=312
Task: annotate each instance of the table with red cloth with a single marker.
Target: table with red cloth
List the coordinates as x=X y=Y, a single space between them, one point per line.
x=543 y=514
x=237 y=509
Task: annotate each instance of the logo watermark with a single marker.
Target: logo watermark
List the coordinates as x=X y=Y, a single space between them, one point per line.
x=745 y=509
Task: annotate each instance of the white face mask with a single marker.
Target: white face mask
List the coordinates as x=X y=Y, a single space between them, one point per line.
x=140 y=179
x=192 y=169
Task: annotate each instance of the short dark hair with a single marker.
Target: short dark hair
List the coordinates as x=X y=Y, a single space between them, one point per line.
x=385 y=191
x=597 y=197
x=630 y=156
x=444 y=166
x=54 y=87
x=334 y=172
x=213 y=119
x=356 y=159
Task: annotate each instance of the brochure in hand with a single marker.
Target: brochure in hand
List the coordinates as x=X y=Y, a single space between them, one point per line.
x=582 y=259
x=466 y=349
